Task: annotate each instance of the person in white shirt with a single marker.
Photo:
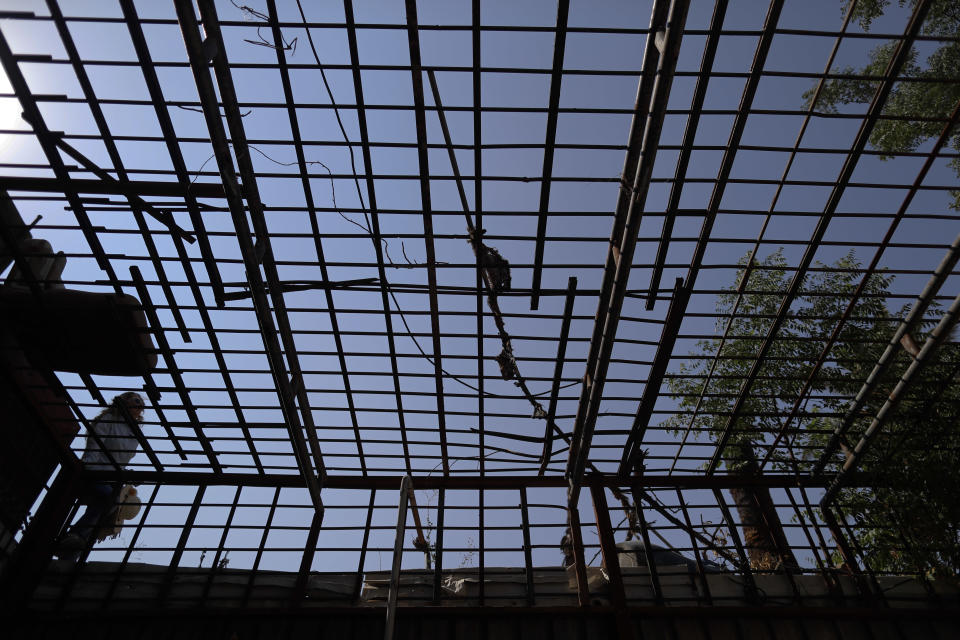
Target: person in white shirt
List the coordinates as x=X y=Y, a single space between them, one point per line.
x=114 y=428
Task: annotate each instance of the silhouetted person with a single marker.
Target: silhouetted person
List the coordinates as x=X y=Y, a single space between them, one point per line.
x=115 y=429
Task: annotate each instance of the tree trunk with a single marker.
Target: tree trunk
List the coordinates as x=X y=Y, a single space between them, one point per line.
x=764 y=538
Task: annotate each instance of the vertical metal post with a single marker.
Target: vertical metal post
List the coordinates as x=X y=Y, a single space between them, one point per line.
x=647 y=551
x=576 y=540
x=181 y=544
x=260 y=547
x=438 y=548
x=557 y=372
x=707 y=597
x=405 y=487
x=527 y=550
x=608 y=548
x=749 y=584
x=480 y=539
x=215 y=563
x=423 y=166
x=309 y=551
x=358 y=586
x=131 y=547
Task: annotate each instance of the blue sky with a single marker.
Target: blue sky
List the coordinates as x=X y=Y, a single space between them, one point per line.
x=583 y=209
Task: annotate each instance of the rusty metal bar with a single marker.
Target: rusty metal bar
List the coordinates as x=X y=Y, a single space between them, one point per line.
x=190 y=191
x=647 y=549
x=416 y=73
x=213 y=272
x=643 y=142
x=549 y=146
x=726 y=165
x=215 y=563
x=375 y=226
x=252 y=577
x=611 y=561
x=686 y=147
x=108 y=597
x=701 y=572
x=68 y=185
x=855 y=296
x=438 y=548
x=406 y=486
x=477 y=87
x=527 y=548
x=750 y=585
x=251 y=254
x=314 y=226
x=557 y=374
x=62 y=180
x=632 y=453
x=687 y=481
x=309 y=551
x=181 y=545
x=263 y=249
x=137 y=203
x=358 y=585
x=579 y=562
x=481 y=552
x=167 y=352
x=25 y=569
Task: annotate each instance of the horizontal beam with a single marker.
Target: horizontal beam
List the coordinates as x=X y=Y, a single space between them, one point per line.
x=292 y=480
x=102 y=187
x=455 y=612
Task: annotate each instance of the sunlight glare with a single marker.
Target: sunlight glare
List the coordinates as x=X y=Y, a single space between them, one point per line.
x=9 y=115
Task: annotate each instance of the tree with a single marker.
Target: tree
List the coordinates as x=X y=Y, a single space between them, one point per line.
x=935 y=96
x=910 y=519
